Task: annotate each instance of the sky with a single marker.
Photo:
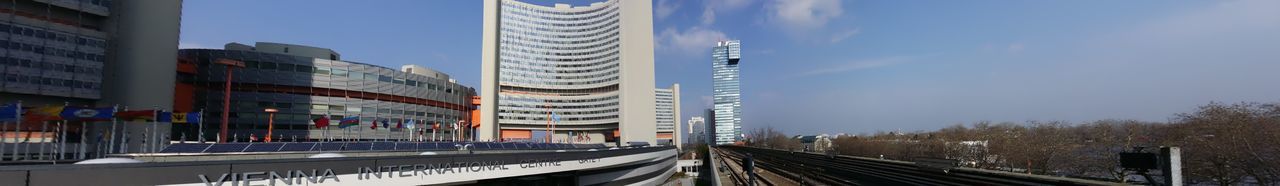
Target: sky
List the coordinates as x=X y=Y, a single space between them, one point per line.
x=831 y=66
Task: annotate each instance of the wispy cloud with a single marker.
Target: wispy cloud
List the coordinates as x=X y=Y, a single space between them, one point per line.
x=841 y=36
x=858 y=65
x=708 y=16
x=803 y=15
x=695 y=40
x=665 y=8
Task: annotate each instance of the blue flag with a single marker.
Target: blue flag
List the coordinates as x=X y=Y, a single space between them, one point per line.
x=87 y=113
x=385 y=125
x=193 y=117
x=164 y=117
x=9 y=113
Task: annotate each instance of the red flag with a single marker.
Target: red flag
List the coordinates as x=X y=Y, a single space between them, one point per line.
x=137 y=115
x=322 y=122
x=375 y=124
x=436 y=126
x=400 y=124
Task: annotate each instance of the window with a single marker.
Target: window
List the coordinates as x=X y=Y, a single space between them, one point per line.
x=384 y=78
x=322 y=70
x=411 y=82
x=319 y=107
x=284 y=105
x=286 y=67
x=267 y=65
x=384 y=111
x=339 y=72
x=305 y=69
x=354 y=109
x=337 y=107
x=250 y=64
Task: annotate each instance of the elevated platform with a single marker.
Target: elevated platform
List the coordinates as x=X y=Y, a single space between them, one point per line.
x=572 y=166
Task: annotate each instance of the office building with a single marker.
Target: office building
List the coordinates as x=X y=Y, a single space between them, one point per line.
x=668 y=109
x=584 y=72
x=305 y=83
x=89 y=53
x=697 y=130
x=727 y=95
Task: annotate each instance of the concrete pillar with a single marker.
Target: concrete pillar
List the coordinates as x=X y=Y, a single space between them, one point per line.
x=142 y=65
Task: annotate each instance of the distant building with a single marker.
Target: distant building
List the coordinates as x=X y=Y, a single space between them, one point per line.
x=668 y=110
x=697 y=130
x=589 y=66
x=727 y=95
x=815 y=143
x=305 y=83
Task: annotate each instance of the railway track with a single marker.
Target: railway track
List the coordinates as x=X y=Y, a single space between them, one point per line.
x=819 y=169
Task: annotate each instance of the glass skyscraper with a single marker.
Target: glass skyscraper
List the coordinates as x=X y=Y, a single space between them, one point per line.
x=726 y=91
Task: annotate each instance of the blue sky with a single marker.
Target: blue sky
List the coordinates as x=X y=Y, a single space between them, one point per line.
x=830 y=66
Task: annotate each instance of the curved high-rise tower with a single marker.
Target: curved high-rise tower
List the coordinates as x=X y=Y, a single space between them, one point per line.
x=584 y=72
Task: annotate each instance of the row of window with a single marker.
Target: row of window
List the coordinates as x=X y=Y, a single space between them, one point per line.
x=18 y=78
x=525 y=17
x=18 y=46
x=560 y=38
x=537 y=10
x=518 y=58
x=364 y=120
x=508 y=98
x=336 y=108
x=549 y=76
x=510 y=105
x=19 y=62
x=262 y=65
x=540 y=82
x=561 y=119
x=548 y=26
x=31 y=31
x=562 y=113
x=558 y=68
x=518 y=41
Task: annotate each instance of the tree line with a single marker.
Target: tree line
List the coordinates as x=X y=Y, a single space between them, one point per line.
x=1222 y=144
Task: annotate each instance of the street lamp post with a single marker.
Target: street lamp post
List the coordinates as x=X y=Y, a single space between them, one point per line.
x=271 y=118
x=226 y=99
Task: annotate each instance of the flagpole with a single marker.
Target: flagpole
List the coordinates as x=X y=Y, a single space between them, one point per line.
x=111 y=143
x=62 y=135
x=155 y=129
x=200 y=125
x=17 y=131
x=124 y=134
x=44 y=129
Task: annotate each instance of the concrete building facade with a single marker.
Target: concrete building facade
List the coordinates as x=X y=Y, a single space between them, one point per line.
x=305 y=83
x=668 y=110
x=89 y=53
x=727 y=94
x=586 y=69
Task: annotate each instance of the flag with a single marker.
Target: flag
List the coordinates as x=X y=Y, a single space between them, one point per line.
x=348 y=122
x=147 y=115
x=87 y=113
x=45 y=113
x=164 y=117
x=9 y=112
x=436 y=126
x=181 y=118
x=321 y=122
x=410 y=124
x=385 y=125
x=400 y=123
x=375 y=124
x=555 y=117
x=192 y=117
